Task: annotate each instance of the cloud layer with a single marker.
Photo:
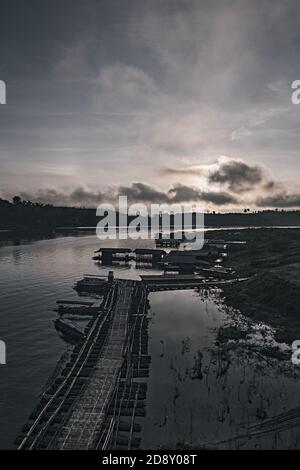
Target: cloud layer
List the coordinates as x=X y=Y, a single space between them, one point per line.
x=237 y=175
x=151 y=92
x=225 y=184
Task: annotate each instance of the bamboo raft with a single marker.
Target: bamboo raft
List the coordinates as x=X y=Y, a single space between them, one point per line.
x=94 y=401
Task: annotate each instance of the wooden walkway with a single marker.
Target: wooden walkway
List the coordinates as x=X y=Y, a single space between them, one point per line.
x=82 y=429
x=94 y=400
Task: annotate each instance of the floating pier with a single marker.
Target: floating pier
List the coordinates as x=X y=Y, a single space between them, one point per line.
x=94 y=402
x=165 y=282
x=110 y=255
x=149 y=256
x=94 y=284
x=76 y=308
x=171 y=281
x=168 y=242
x=70 y=332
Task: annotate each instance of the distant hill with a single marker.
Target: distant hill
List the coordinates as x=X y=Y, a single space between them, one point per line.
x=25 y=215
x=263 y=218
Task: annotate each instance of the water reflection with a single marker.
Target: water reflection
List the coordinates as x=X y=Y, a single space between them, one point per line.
x=198 y=393
x=204 y=393
x=34 y=274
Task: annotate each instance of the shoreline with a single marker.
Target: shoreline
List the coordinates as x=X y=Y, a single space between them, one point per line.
x=271 y=295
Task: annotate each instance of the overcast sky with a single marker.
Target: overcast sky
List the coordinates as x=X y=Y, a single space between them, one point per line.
x=160 y=100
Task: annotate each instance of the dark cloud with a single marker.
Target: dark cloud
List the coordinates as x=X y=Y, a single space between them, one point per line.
x=282 y=200
x=78 y=197
x=141 y=192
x=89 y=197
x=180 y=171
x=270 y=185
x=219 y=198
x=237 y=175
x=181 y=193
x=136 y=192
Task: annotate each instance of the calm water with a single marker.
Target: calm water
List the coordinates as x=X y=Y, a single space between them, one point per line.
x=203 y=395
x=190 y=399
x=32 y=277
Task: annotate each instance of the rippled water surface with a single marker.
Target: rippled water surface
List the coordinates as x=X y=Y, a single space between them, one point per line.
x=32 y=277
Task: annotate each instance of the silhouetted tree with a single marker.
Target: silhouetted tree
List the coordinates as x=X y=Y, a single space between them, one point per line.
x=17 y=200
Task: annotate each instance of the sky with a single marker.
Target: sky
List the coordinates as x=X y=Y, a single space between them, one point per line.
x=159 y=100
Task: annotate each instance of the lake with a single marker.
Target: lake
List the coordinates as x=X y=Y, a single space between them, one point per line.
x=197 y=393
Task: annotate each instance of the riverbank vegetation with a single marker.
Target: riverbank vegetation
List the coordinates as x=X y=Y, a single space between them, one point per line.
x=271 y=260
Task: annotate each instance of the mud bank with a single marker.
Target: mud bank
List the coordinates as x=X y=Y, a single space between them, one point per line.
x=270 y=299
x=271 y=257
